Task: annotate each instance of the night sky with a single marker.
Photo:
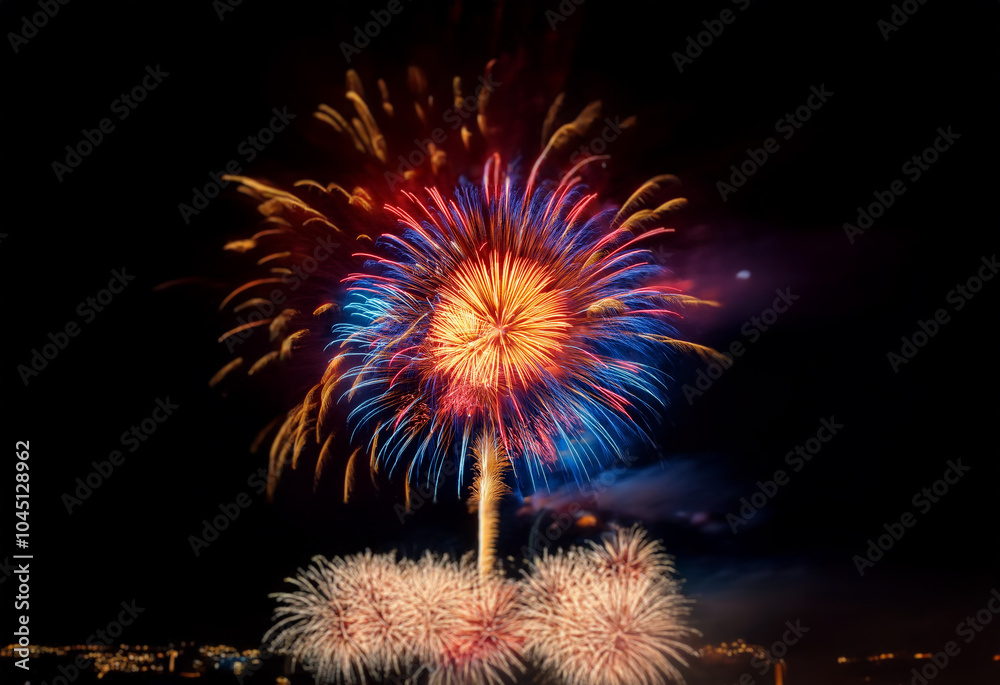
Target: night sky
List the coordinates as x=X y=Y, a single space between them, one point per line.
x=825 y=358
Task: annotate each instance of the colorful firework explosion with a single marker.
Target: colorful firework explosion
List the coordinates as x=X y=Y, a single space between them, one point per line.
x=525 y=311
x=511 y=313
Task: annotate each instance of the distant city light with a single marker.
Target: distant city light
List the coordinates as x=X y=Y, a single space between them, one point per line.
x=106 y=659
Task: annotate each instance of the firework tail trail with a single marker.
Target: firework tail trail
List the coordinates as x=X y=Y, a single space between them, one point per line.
x=488 y=487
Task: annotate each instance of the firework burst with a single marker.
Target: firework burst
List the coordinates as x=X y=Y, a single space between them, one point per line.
x=340 y=621
x=523 y=308
x=608 y=615
x=629 y=555
x=370 y=615
x=511 y=313
x=429 y=603
x=551 y=587
x=487 y=645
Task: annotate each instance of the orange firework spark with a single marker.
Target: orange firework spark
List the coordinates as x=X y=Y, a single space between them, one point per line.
x=498 y=324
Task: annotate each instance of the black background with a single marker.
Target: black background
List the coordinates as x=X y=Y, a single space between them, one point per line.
x=826 y=357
